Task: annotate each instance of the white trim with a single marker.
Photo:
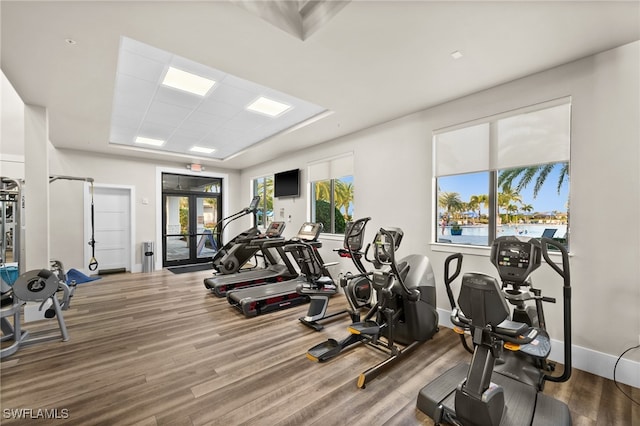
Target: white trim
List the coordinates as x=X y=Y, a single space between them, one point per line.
x=598 y=363
x=133 y=267
x=159 y=206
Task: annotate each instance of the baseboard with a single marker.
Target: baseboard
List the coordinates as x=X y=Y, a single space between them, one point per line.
x=585 y=359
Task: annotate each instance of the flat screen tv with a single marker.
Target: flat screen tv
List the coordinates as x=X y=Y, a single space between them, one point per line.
x=286 y=184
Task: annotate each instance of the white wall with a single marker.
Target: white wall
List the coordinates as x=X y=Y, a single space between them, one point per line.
x=67 y=208
x=393 y=185
x=11 y=131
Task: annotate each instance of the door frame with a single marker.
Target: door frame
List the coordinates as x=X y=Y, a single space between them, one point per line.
x=132 y=266
x=193 y=236
x=160 y=205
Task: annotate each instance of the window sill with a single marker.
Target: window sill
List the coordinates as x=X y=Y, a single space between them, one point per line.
x=461 y=248
x=477 y=250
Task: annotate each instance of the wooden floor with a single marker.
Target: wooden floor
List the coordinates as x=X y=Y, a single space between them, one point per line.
x=158 y=348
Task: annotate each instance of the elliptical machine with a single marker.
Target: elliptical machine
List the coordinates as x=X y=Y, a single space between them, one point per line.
x=320 y=289
x=405 y=312
x=503 y=387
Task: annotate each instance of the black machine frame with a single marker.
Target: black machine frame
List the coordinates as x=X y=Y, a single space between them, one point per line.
x=504 y=382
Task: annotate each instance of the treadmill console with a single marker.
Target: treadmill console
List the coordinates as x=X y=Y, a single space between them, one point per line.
x=274 y=230
x=514 y=258
x=309 y=231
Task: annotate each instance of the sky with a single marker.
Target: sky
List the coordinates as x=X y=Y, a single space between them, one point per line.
x=477 y=183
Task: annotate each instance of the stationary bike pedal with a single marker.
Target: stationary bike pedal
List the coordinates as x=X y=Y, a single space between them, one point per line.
x=370 y=328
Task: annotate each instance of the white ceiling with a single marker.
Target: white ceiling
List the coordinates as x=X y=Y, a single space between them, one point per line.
x=373 y=61
x=144 y=107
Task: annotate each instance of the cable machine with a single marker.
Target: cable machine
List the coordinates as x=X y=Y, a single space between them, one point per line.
x=41 y=286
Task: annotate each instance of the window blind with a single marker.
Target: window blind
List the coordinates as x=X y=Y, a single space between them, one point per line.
x=333 y=168
x=537 y=137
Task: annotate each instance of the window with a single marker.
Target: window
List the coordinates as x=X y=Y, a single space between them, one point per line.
x=263 y=187
x=507 y=175
x=332 y=193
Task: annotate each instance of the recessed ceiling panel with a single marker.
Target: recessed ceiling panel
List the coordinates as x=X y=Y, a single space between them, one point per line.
x=219 y=119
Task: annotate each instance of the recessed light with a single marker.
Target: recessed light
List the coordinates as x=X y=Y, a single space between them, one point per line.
x=149 y=141
x=456 y=55
x=202 y=149
x=183 y=80
x=268 y=107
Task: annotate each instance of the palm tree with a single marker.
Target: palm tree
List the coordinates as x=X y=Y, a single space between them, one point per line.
x=526 y=175
x=343 y=196
x=323 y=190
x=507 y=197
x=477 y=200
x=527 y=208
x=450 y=201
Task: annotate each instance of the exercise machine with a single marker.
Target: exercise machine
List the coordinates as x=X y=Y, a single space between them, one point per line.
x=359 y=291
x=234 y=254
x=40 y=286
x=272 y=297
x=272 y=273
x=404 y=314
x=503 y=384
x=246 y=246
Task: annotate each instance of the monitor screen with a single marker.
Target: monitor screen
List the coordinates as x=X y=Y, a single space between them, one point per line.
x=286 y=184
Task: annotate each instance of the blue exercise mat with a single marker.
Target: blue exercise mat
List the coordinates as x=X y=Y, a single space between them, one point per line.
x=79 y=277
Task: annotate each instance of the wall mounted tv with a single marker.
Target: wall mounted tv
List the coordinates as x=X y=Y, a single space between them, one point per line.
x=286 y=184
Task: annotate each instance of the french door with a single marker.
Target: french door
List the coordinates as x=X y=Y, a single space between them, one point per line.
x=189 y=220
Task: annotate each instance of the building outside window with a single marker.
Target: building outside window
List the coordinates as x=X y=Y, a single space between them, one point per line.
x=505 y=175
x=263 y=187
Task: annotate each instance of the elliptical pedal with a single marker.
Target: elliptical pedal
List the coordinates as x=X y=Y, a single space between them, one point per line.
x=369 y=328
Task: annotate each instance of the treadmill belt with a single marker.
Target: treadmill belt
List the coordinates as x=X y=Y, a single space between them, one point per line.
x=220 y=285
x=262 y=299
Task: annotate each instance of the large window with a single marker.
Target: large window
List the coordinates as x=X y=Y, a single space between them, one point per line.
x=508 y=175
x=263 y=187
x=332 y=193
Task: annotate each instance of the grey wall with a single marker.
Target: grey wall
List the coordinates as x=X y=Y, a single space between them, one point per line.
x=393 y=185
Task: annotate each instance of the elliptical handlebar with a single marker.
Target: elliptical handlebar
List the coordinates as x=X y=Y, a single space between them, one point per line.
x=448 y=279
x=355 y=235
x=385 y=254
x=564 y=272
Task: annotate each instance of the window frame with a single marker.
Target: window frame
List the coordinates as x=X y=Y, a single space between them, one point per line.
x=493 y=173
x=332 y=205
x=262 y=206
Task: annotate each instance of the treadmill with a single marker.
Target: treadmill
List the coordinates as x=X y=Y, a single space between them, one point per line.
x=484 y=393
x=275 y=272
x=263 y=299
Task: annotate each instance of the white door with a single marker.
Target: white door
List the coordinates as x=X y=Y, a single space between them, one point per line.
x=112 y=227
